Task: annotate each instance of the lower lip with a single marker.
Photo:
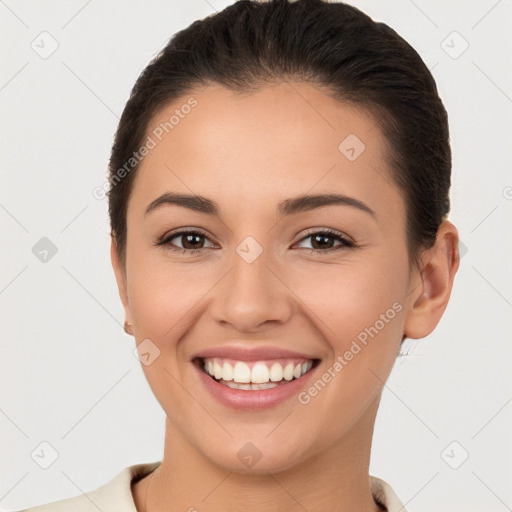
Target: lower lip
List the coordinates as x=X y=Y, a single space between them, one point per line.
x=257 y=399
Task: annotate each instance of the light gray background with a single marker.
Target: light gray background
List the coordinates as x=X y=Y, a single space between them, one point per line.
x=68 y=374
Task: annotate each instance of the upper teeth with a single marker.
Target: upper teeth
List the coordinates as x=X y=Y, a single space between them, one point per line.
x=258 y=372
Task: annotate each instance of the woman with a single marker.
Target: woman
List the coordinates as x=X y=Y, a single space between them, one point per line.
x=279 y=191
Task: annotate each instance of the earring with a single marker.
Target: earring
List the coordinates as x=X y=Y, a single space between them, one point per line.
x=126 y=329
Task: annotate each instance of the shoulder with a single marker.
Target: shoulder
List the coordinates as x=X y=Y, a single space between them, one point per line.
x=385 y=496
x=113 y=496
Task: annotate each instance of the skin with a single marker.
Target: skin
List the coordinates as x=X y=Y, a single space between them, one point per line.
x=248 y=152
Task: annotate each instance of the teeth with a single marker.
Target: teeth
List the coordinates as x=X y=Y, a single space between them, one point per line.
x=260 y=376
x=259 y=373
x=248 y=387
x=288 y=372
x=241 y=372
x=227 y=372
x=217 y=370
x=276 y=372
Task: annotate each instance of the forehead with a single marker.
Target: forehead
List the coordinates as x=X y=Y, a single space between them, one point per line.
x=257 y=148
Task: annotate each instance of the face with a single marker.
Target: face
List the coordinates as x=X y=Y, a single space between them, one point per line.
x=256 y=284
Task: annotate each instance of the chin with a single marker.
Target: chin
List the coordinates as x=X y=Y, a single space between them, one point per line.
x=260 y=457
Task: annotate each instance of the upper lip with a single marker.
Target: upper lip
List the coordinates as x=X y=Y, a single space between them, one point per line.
x=244 y=352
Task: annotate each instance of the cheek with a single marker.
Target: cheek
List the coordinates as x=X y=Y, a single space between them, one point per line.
x=358 y=308
x=164 y=299
x=349 y=297
x=163 y=296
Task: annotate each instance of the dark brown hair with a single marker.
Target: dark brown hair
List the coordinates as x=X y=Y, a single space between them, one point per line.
x=331 y=45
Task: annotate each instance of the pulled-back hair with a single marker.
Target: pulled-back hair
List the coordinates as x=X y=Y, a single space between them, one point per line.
x=333 y=46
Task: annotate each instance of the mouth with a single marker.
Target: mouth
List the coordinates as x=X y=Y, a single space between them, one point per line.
x=255 y=375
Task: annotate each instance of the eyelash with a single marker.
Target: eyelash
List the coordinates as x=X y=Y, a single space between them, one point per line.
x=346 y=243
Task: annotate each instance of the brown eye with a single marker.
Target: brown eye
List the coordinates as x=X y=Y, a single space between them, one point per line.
x=185 y=241
x=327 y=240
x=321 y=241
x=191 y=241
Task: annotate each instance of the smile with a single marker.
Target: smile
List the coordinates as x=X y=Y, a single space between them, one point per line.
x=255 y=375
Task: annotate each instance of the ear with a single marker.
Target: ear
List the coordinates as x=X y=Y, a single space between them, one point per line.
x=120 y=274
x=431 y=290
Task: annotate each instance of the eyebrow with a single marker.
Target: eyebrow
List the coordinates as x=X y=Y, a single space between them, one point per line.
x=287 y=207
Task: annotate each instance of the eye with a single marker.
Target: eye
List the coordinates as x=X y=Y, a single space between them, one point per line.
x=187 y=241
x=193 y=241
x=325 y=241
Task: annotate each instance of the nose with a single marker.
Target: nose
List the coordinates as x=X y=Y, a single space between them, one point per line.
x=252 y=295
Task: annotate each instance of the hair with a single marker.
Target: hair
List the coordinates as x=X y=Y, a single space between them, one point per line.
x=332 y=46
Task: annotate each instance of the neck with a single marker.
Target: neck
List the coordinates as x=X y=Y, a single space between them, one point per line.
x=335 y=479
